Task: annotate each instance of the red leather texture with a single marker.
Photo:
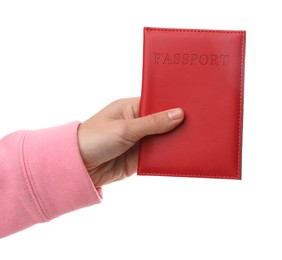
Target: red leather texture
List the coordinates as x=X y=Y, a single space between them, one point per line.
x=201 y=71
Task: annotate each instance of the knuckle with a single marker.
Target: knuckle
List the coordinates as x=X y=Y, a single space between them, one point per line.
x=124 y=132
x=155 y=123
x=157 y=120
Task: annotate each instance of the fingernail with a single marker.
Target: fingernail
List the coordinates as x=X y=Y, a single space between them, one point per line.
x=175 y=114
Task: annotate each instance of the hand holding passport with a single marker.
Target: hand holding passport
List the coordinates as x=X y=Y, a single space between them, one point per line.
x=201 y=71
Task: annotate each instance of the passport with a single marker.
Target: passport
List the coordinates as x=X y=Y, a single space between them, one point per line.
x=201 y=71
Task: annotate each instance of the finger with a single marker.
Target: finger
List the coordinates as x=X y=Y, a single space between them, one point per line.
x=157 y=123
x=121 y=108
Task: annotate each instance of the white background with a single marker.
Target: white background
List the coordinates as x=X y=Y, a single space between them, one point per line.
x=64 y=60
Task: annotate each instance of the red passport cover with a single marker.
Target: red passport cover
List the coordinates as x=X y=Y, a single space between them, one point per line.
x=201 y=71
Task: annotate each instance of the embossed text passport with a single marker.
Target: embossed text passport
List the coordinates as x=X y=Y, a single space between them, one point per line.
x=201 y=71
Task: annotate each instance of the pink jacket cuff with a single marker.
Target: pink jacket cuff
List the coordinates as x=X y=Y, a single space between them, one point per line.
x=43 y=177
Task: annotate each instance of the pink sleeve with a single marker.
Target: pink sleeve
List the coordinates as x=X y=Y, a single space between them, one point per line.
x=42 y=176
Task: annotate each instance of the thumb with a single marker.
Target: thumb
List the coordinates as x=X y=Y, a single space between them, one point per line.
x=157 y=123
